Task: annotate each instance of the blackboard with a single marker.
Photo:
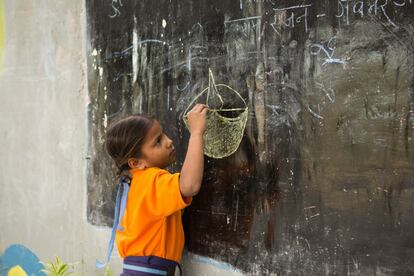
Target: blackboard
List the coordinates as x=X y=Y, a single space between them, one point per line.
x=323 y=181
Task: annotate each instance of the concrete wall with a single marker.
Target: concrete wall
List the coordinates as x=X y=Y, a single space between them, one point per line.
x=43 y=123
x=43 y=100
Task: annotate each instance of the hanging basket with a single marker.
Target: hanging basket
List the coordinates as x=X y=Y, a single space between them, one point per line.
x=225 y=125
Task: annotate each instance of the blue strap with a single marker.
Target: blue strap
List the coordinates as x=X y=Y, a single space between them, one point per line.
x=145 y=269
x=123 y=203
x=117 y=219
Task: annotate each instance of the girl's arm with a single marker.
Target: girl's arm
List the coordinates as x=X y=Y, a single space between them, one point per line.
x=193 y=167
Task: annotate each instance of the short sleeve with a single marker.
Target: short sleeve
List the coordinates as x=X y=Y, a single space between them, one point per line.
x=164 y=194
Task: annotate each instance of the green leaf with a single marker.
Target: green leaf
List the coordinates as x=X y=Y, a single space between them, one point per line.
x=57 y=268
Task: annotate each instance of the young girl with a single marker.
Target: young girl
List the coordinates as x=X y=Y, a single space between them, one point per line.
x=147 y=223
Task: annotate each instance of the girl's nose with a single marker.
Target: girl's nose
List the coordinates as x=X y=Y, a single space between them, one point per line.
x=169 y=142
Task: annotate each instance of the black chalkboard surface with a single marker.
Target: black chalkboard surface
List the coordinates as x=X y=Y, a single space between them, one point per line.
x=322 y=182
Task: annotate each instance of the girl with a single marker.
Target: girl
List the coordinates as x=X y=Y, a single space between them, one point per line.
x=149 y=234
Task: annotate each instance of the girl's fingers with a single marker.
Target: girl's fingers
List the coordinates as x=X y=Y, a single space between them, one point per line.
x=199 y=107
x=194 y=107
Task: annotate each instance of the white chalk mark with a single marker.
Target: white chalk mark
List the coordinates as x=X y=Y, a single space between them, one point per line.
x=275 y=109
x=184 y=88
x=115 y=8
x=320 y=15
x=198 y=25
x=359 y=8
x=237 y=214
x=292 y=17
x=399 y=4
x=168 y=98
x=190 y=56
x=292 y=7
x=273 y=25
x=118 y=112
x=126 y=50
x=330 y=93
x=243 y=19
x=386 y=15
x=143 y=42
x=134 y=52
x=315 y=114
x=334 y=60
x=306 y=241
x=311 y=212
x=316 y=48
x=151 y=40
x=344 y=9
x=305 y=16
x=374 y=8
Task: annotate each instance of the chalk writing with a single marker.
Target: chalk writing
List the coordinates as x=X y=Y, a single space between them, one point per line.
x=248 y=24
x=127 y=51
x=374 y=9
x=116 y=4
x=242 y=19
x=290 y=17
x=361 y=8
x=328 y=50
x=402 y=3
x=293 y=19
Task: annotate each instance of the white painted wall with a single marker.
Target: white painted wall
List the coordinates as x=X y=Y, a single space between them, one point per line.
x=43 y=101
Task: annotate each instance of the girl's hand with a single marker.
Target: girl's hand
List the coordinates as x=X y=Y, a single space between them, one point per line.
x=197 y=119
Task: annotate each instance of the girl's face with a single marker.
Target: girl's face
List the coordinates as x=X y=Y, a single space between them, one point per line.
x=158 y=149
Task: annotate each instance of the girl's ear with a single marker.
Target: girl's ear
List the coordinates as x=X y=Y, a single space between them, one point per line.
x=135 y=163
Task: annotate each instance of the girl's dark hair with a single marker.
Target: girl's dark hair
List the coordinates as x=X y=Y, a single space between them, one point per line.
x=124 y=139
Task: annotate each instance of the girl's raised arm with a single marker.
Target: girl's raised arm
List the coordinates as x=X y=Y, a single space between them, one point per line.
x=193 y=167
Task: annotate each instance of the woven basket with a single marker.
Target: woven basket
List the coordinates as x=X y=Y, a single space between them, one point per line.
x=224 y=133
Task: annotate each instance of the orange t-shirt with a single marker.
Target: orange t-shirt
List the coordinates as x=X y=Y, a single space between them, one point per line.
x=152 y=223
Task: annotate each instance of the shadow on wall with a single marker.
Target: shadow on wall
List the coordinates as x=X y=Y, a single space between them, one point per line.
x=18 y=260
